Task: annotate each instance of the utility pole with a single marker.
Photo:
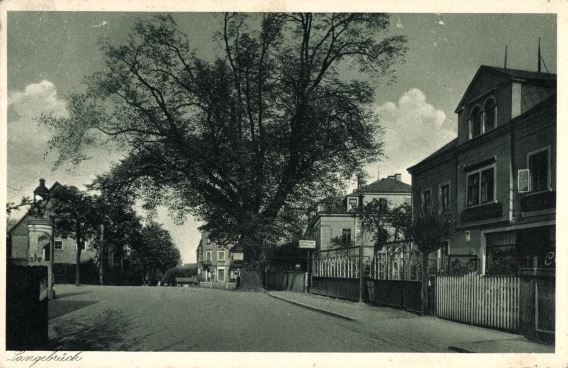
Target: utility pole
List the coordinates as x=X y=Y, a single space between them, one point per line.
x=361 y=273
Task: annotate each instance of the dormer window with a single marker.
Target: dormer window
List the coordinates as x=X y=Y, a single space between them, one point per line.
x=475 y=123
x=490 y=115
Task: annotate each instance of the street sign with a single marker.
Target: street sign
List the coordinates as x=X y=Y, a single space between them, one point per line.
x=307 y=244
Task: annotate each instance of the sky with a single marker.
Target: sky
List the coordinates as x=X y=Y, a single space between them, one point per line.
x=50 y=52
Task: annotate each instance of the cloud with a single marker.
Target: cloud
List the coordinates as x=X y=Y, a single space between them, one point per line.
x=27 y=139
x=414 y=129
x=399 y=24
x=441 y=22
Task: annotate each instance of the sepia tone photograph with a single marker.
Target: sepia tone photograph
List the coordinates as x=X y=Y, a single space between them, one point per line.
x=307 y=182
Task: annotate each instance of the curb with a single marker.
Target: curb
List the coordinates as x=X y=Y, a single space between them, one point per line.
x=457 y=349
x=316 y=309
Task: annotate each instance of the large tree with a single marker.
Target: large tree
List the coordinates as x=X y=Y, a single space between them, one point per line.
x=75 y=216
x=275 y=121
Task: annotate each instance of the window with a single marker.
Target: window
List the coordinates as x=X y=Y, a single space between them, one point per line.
x=426 y=198
x=475 y=123
x=481 y=186
x=490 y=115
x=221 y=274
x=346 y=236
x=502 y=254
x=221 y=255
x=208 y=255
x=353 y=203
x=539 y=171
x=445 y=197
x=58 y=244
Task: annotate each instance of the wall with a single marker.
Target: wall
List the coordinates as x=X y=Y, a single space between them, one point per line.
x=485 y=83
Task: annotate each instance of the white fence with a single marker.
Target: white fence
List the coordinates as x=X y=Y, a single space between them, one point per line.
x=491 y=301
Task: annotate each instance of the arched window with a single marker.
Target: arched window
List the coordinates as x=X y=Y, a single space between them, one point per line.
x=475 y=122
x=490 y=111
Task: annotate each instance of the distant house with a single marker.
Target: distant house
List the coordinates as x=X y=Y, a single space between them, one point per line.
x=29 y=239
x=334 y=224
x=498 y=177
x=217 y=266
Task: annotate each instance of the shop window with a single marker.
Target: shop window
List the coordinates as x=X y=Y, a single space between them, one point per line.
x=539 y=170
x=502 y=254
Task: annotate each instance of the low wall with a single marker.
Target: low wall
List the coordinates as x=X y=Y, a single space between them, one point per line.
x=26 y=308
x=343 y=288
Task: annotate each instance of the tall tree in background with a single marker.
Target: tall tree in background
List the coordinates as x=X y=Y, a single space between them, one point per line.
x=75 y=216
x=155 y=252
x=430 y=230
x=375 y=217
x=265 y=129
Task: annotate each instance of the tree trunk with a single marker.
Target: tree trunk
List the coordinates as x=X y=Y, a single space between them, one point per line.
x=425 y=280
x=78 y=263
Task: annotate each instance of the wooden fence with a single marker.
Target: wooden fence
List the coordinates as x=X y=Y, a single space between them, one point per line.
x=490 y=301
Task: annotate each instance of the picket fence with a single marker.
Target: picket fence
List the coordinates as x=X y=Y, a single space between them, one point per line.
x=490 y=301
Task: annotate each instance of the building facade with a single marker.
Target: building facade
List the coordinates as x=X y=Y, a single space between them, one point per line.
x=217 y=265
x=335 y=225
x=29 y=240
x=498 y=177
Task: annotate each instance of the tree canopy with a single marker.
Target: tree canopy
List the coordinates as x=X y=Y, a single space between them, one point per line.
x=247 y=141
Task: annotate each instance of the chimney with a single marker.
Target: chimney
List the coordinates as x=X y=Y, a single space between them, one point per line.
x=397 y=177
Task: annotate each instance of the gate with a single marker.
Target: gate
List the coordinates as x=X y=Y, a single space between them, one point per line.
x=490 y=301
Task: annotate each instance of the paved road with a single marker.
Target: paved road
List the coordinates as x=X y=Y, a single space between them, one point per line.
x=196 y=319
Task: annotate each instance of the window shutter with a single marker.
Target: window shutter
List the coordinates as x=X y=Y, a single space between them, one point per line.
x=523 y=181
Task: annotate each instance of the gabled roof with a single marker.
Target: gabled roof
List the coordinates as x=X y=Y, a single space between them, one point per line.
x=439 y=152
x=511 y=74
x=387 y=185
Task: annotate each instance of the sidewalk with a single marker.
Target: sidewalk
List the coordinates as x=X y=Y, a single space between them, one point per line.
x=415 y=333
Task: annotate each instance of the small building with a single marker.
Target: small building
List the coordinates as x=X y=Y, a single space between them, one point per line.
x=218 y=266
x=29 y=240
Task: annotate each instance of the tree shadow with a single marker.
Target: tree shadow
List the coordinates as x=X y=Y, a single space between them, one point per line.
x=67 y=295
x=57 y=308
x=106 y=331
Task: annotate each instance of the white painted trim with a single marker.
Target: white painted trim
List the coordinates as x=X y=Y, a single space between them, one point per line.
x=219 y=252
x=469 y=173
x=549 y=171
